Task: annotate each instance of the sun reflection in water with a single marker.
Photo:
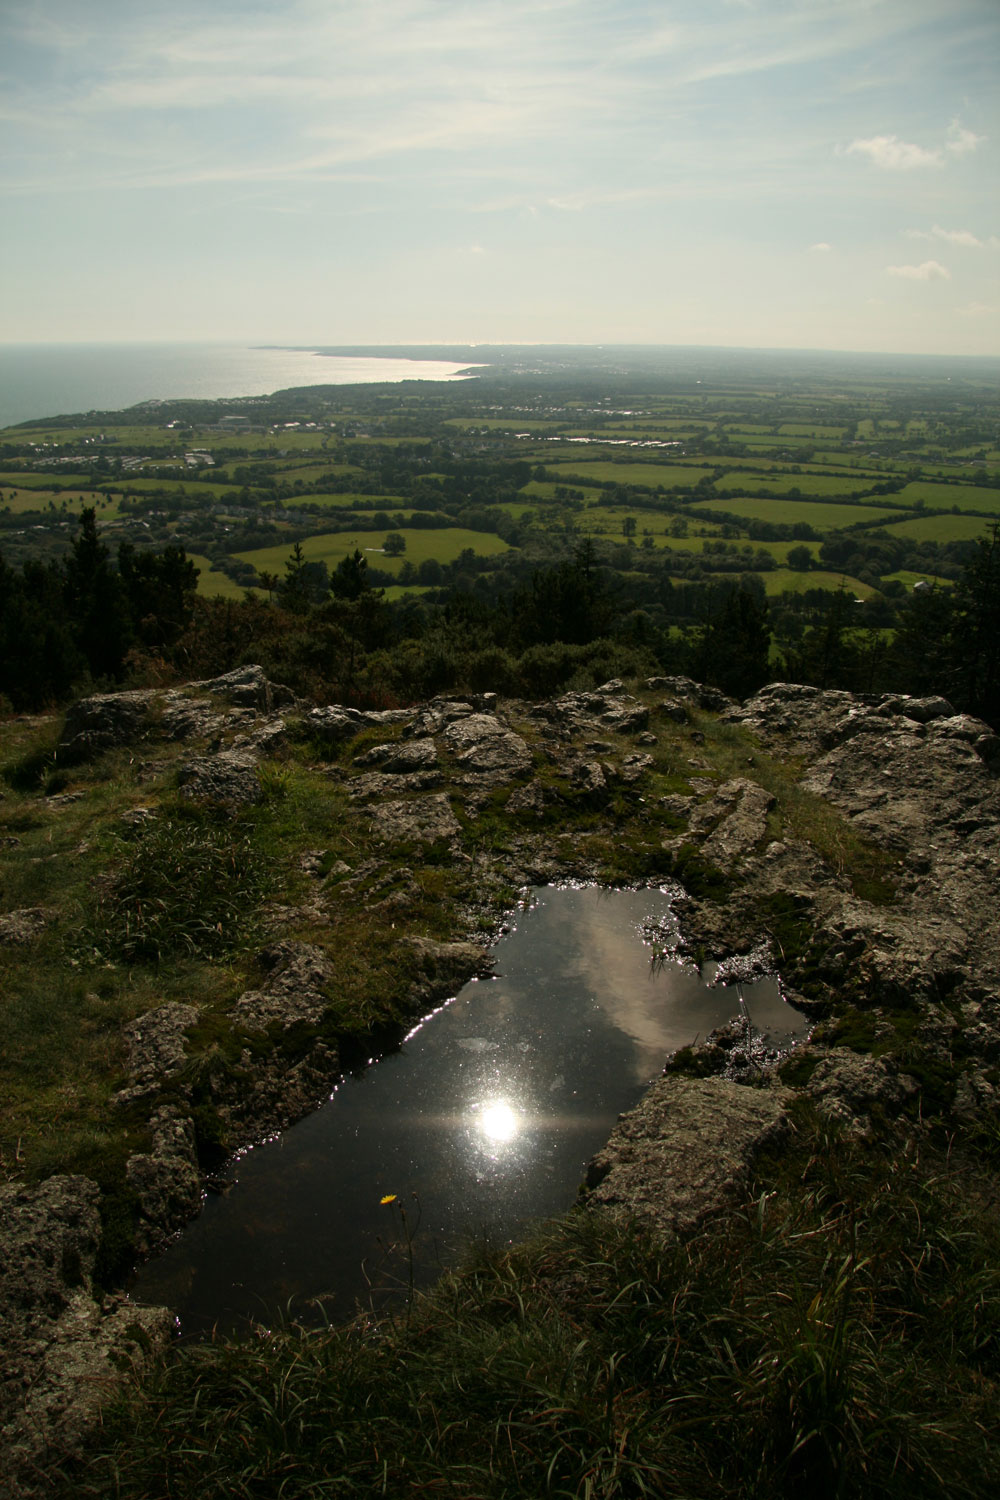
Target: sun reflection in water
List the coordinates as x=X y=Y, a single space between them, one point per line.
x=498 y=1122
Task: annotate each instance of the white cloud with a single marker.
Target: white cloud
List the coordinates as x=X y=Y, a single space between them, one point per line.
x=961 y=141
x=821 y=247
x=894 y=155
x=978 y=310
x=963 y=237
x=928 y=270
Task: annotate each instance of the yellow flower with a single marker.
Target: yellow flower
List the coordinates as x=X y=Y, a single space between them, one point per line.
x=389 y=1198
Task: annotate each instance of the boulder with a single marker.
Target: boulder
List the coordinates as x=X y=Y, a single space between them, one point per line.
x=156 y=1047
x=19 y=927
x=685 y=1152
x=422 y=819
x=294 y=990
x=229 y=778
x=487 y=748
x=64 y=1347
x=103 y=721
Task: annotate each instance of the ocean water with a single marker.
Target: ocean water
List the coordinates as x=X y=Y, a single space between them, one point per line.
x=51 y=380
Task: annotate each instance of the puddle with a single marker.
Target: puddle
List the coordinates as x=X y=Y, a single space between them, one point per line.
x=488 y=1113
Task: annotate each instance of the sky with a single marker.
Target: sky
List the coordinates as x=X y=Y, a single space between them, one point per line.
x=746 y=173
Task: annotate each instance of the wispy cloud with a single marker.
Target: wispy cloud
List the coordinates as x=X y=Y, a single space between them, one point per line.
x=891 y=154
x=820 y=248
x=894 y=155
x=961 y=141
x=928 y=270
x=963 y=237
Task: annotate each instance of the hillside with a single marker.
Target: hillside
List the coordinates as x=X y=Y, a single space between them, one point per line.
x=215 y=895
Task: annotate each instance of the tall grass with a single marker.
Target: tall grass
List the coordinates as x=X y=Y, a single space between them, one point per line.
x=838 y=1337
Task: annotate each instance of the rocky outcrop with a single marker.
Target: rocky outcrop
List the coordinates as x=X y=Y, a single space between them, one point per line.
x=165 y=1180
x=229 y=779
x=156 y=1049
x=20 y=927
x=293 y=992
x=103 y=721
x=443 y=968
x=685 y=1152
x=64 y=1344
x=423 y=820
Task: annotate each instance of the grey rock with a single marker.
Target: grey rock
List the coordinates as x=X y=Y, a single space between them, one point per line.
x=685 y=1152
x=634 y=766
x=103 y=721
x=847 y=1086
x=294 y=990
x=165 y=1180
x=64 y=1350
x=229 y=778
x=156 y=1046
x=588 y=776
x=424 y=819
x=485 y=747
x=745 y=806
x=401 y=758
x=20 y=927
x=443 y=968
x=527 y=799
x=247 y=687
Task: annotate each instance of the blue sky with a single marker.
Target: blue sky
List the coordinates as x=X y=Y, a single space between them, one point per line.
x=762 y=173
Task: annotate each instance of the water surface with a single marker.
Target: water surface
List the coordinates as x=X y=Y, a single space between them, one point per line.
x=488 y=1113
x=50 y=380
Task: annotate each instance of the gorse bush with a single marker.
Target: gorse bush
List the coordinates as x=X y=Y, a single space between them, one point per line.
x=182 y=888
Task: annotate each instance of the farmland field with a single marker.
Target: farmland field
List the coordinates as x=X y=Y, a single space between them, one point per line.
x=783 y=580
x=788 y=512
x=965 y=496
x=807 y=484
x=941 y=528
x=214 y=585
x=651 y=474
x=444 y=544
x=909 y=579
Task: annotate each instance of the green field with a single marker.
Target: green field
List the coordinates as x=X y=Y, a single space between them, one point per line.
x=214 y=585
x=34 y=481
x=444 y=544
x=804 y=429
x=946 y=528
x=909 y=579
x=805 y=483
x=784 y=580
x=787 y=512
x=544 y=491
x=389 y=503
x=651 y=474
x=965 y=496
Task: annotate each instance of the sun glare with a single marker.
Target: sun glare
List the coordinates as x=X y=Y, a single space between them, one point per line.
x=498 y=1121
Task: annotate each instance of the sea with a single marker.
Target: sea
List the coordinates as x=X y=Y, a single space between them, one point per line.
x=52 y=380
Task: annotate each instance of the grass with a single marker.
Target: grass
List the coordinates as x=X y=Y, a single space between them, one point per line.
x=806 y=482
x=651 y=474
x=838 y=1335
x=787 y=512
x=786 y=580
x=940 y=528
x=941 y=496
x=214 y=585
x=444 y=544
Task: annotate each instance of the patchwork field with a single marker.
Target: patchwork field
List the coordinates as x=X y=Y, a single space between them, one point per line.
x=965 y=496
x=444 y=544
x=789 y=512
x=785 y=580
x=947 y=528
x=651 y=474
